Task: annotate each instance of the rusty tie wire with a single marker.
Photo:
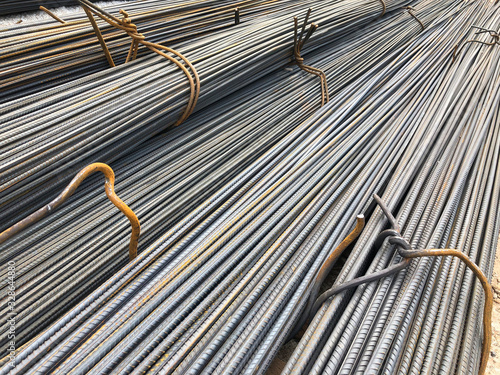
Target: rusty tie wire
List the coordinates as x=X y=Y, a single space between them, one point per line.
x=109 y=187
x=54 y=16
x=405 y=251
x=411 y=12
x=493 y=33
x=298 y=43
x=384 y=8
x=126 y=25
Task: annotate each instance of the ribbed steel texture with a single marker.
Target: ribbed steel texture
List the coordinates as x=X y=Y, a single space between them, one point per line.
x=15 y=6
x=47 y=136
x=225 y=138
x=55 y=53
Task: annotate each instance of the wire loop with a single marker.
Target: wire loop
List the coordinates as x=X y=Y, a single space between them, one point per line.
x=130 y=28
x=383 y=9
x=407 y=253
x=298 y=43
x=411 y=12
x=494 y=34
x=324 y=271
x=68 y=191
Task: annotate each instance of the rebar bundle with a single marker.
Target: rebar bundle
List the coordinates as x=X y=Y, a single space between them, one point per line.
x=46 y=136
x=225 y=286
x=55 y=53
x=414 y=321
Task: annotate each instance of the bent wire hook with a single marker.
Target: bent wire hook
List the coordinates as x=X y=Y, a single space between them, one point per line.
x=109 y=187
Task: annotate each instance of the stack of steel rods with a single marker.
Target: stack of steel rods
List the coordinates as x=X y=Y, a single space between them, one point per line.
x=71 y=232
x=46 y=136
x=58 y=53
x=222 y=294
x=361 y=49
x=419 y=319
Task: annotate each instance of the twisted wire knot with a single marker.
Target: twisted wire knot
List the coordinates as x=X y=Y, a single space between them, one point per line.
x=299 y=59
x=411 y=11
x=496 y=36
x=407 y=253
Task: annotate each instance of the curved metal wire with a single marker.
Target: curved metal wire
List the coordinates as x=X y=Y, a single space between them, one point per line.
x=109 y=187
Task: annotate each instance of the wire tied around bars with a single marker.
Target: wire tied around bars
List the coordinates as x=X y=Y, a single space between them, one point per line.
x=407 y=253
x=383 y=9
x=125 y=24
x=109 y=187
x=493 y=33
x=298 y=43
x=54 y=16
x=411 y=11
